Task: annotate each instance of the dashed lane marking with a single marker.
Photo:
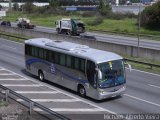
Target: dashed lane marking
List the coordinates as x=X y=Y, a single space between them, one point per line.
x=37 y=92
x=71 y=109
x=153 y=86
x=22 y=85
x=146 y=101
x=4 y=79
x=51 y=100
x=2 y=69
x=7 y=74
x=65 y=93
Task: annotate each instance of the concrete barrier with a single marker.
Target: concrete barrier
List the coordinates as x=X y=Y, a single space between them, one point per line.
x=113 y=47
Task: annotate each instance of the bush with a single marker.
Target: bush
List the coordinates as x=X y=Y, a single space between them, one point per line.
x=104 y=8
x=96 y=21
x=150 y=16
x=28 y=7
x=88 y=14
x=16 y=6
x=119 y=16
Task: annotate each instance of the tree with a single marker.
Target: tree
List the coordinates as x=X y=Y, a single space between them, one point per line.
x=54 y=3
x=15 y=6
x=28 y=7
x=150 y=16
x=104 y=8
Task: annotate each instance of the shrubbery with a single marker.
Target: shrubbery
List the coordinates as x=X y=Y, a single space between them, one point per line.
x=104 y=8
x=150 y=16
x=96 y=21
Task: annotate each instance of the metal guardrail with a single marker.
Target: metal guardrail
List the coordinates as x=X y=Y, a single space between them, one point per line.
x=31 y=103
x=144 y=63
x=13 y=36
x=129 y=34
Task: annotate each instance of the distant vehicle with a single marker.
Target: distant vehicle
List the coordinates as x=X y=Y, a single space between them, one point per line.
x=70 y=26
x=24 y=23
x=6 y=23
x=90 y=72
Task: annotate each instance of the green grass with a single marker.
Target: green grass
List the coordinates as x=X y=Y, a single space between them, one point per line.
x=13 y=38
x=3 y=103
x=144 y=67
x=124 y=25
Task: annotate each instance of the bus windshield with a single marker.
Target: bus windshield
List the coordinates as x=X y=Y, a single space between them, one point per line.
x=112 y=74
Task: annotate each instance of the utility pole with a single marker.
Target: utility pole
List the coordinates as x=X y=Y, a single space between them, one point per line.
x=10 y=5
x=139 y=26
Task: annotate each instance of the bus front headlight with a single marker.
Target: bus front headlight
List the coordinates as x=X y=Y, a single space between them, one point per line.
x=102 y=91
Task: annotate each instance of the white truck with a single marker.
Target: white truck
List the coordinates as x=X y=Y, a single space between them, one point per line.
x=24 y=23
x=70 y=26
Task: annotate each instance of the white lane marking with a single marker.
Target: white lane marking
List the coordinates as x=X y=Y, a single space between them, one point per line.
x=51 y=100
x=7 y=74
x=22 y=85
x=152 y=103
x=153 y=86
x=2 y=69
x=146 y=72
x=36 y=92
x=8 y=79
x=72 y=109
x=65 y=93
x=7 y=46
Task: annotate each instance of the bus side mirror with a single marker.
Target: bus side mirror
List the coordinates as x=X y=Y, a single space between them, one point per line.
x=129 y=67
x=99 y=73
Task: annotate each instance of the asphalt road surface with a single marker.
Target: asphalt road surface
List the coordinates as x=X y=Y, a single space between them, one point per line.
x=142 y=95
x=117 y=39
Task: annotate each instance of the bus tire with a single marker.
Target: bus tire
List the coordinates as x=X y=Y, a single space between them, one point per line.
x=81 y=91
x=41 y=75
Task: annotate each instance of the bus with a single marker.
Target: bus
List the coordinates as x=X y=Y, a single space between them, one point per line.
x=90 y=72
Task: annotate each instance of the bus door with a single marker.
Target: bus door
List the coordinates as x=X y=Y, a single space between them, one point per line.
x=92 y=77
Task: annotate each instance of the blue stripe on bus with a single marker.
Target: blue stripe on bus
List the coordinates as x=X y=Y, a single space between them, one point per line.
x=31 y=61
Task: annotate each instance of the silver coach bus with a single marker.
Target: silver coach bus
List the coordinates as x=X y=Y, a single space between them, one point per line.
x=91 y=72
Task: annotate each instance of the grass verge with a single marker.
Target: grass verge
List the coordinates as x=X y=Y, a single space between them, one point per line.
x=142 y=67
x=13 y=37
x=3 y=103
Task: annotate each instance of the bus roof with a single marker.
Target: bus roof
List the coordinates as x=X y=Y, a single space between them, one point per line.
x=74 y=49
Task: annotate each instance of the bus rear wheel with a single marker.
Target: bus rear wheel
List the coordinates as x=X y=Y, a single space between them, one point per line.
x=81 y=91
x=41 y=76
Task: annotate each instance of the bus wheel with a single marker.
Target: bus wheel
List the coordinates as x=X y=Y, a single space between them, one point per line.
x=41 y=76
x=81 y=91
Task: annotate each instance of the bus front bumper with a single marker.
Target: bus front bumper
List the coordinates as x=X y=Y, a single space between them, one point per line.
x=103 y=94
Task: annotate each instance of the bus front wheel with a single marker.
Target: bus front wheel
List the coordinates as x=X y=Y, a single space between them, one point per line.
x=81 y=91
x=41 y=76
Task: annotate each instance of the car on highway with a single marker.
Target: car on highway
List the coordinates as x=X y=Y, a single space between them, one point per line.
x=5 y=23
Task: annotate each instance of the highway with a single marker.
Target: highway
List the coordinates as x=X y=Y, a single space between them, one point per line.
x=142 y=94
x=117 y=39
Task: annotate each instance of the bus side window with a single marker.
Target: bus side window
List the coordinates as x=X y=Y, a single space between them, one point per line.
x=91 y=73
x=40 y=53
x=62 y=59
x=68 y=61
x=28 y=49
x=57 y=57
